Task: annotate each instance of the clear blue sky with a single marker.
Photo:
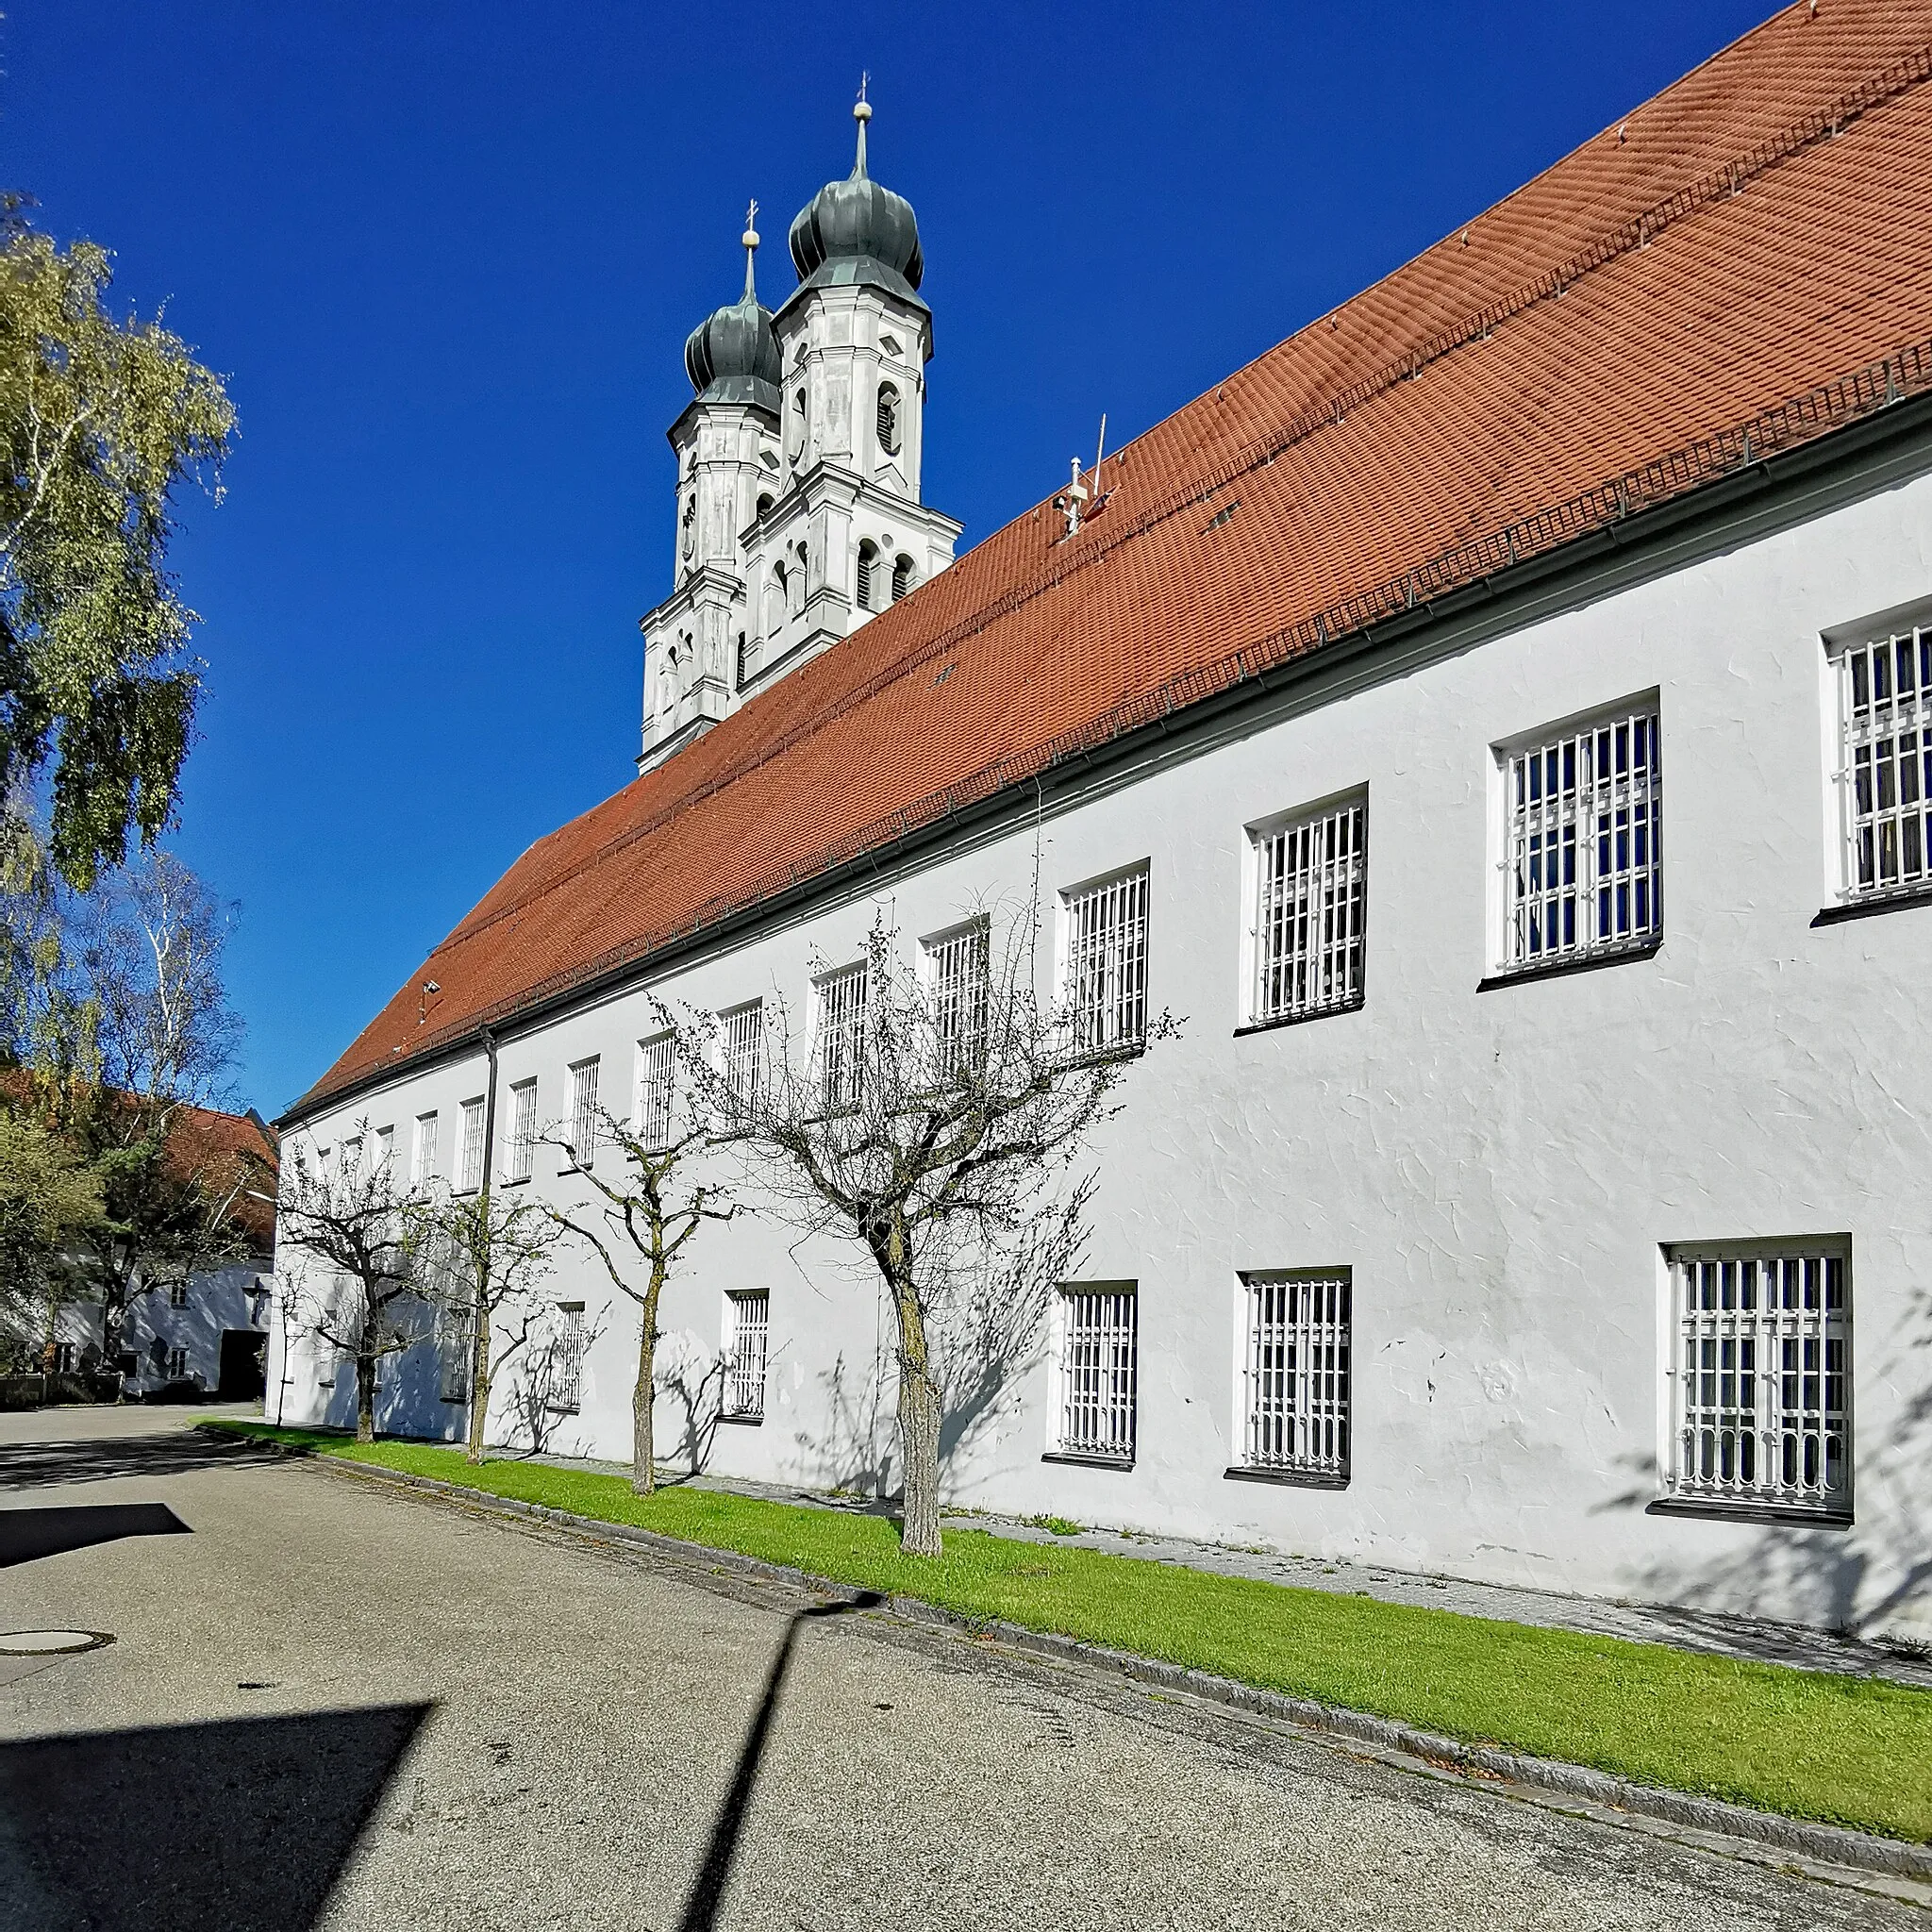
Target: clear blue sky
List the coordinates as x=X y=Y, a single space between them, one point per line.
x=447 y=254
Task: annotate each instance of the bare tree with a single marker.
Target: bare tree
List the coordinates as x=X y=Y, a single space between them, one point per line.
x=650 y=1208
x=933 y=1116
x=486 y=1262
x=351 y=1217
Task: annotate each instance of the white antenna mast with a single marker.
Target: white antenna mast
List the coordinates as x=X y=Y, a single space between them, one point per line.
x=1098 y=454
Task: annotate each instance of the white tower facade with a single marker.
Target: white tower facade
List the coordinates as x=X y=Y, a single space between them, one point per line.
x=798 y=464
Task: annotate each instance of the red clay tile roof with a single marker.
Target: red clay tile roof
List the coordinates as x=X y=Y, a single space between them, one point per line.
x=1599 y=339
x=237 y=1149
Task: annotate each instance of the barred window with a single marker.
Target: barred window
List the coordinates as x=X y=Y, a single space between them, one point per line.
x=747 y=1346
x=453 y=1330
x=655 y=1070
x=841 y=1036
x=349 y=1161
x=959 y=964
x=1107 y=962
x=385 y=1151
x=424 y=1168
x=1296 y=1383
x=472 y=1175
x=177 y=1365
x=1761 y=1374
x=1099 y=1371
x=743 y=1029
x=902 y=576
x=523 y=1131
x=583 y=1112
x=177 y=1295
x=567 y=1359
x=1310 y=908
x=1584 y=821
x=1885 y=766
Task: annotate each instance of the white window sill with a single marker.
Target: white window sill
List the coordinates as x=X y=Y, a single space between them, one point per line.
x=1863 y=905
x=1739 y=1510
x=742 y=1421
x=1570 y=962
x=1082 y=1458
x=1286 y=1478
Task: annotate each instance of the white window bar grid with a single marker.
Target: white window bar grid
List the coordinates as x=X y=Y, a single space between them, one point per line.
x=583 y=1112
x=960 y=965
x=1311 y=910
x=1107 y=962
x=1885 y=776
x=177 y=1295
x=567 y=1358
x=453 y=1351
x=1297 y=1373
x=841 y=1036
x=426 y=1149
x=1099 y=1372
x=385 y=1151
x=349 y=1161
x=655 y=1076
x=1585 y=822
x=1762 y=1373
x=177 y=1365
x=744 y=1045
x=747 y=1346
x=473 y=1145
x=523 y=1131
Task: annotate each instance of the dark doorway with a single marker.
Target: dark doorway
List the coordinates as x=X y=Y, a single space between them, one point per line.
x=242 y=1354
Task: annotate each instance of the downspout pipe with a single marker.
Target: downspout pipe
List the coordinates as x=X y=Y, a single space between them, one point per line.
x=479 y=1310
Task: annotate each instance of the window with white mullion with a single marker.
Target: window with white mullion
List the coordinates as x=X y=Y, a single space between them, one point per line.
x=523 y=1131
x=1884 y=775
x=472 y=1170
x=747 y=1343
x=1297 y=1373
x=1585 y=819
x=841 y=1036
x=1311 y=902
x=959 y=965
x=655 y=1076
x=1107 y=962
x=425 y=1170
x=1761 y=1374
x=743 y=1030
x=1099 y=1372
x=583 y=1112
x=567 y=1359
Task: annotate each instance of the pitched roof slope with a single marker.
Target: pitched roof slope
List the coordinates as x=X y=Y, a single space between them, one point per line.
x=1761 y=228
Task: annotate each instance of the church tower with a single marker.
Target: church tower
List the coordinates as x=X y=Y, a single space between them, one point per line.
x=798 y=464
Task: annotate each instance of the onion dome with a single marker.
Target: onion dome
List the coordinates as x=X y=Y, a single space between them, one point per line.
x=732 y=356
x=856 y=231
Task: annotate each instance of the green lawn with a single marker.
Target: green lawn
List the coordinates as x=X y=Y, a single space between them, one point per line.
x=1846 y=1750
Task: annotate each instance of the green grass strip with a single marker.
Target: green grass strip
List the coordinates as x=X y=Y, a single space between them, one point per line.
x=1848 y=1751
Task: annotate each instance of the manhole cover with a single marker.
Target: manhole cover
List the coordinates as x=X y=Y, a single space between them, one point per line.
x=50 y=1643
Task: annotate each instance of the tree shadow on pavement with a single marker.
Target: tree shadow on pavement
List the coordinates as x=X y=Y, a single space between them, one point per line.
x=714 y=1874
x=168 y=1452
x=27 y=1535
x=241 y=1823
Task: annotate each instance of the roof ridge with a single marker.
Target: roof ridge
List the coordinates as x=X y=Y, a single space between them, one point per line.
x=1908 y=371
x=1638 y=232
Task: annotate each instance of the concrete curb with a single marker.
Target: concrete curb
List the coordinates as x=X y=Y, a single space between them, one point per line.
x=1828 y=1845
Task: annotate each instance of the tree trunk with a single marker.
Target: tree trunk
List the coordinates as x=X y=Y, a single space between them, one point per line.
x=919 y=1409
x=644 y=1394
x=479 y=1381
x=365 y=1398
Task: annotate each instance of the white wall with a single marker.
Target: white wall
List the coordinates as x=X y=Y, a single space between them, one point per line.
x=1498 y=1168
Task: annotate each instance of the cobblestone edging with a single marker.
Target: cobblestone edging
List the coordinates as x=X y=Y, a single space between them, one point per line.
x=1828 y=1845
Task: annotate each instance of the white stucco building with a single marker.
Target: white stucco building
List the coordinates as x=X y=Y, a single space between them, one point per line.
x=1489 y=719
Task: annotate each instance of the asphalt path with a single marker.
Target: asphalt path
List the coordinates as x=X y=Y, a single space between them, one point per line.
x=329 y=1705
